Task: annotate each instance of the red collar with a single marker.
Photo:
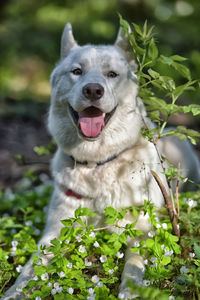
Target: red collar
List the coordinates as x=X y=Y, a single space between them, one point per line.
x=71 y=193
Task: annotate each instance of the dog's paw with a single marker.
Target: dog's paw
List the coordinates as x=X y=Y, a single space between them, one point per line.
x=126 y=294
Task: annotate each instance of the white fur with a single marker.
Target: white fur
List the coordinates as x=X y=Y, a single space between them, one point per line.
x=121 y=182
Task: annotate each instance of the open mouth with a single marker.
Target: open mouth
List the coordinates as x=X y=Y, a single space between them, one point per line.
x=90 y=121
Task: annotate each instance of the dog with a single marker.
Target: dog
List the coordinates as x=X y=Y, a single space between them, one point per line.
x=102 y=159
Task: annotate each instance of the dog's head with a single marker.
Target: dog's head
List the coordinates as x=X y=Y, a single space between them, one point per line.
x=93 y=112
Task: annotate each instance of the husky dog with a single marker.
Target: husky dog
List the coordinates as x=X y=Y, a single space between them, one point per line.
x=102 y=159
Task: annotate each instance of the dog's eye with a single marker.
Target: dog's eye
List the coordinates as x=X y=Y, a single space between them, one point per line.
x=77 y=71
x=112 y=74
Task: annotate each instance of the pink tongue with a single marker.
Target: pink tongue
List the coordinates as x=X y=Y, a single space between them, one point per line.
x=91 y=127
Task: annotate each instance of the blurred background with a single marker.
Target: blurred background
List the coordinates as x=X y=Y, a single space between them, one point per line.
x=30 y=34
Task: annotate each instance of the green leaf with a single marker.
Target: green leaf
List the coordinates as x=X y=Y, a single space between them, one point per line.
x=153 y=50
x=178 y=58
x=166 y=60
x=197 y=250
x=193 y=108
x=183 y=70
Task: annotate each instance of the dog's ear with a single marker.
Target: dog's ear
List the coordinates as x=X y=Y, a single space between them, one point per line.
x=123 y=45
x=67 y=41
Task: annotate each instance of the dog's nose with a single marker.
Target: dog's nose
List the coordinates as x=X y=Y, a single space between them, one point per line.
x=93 y=91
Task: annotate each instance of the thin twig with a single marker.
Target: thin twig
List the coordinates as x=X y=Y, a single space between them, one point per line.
x=176 y=192
x=168 y=204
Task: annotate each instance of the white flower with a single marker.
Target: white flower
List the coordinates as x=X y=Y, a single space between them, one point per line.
x=111 y=271
x=95 y=279
x=59 y=289
x=136 y=244
x=164 y=225
x=35 y=278
x=69 y=265
x=119 y=254
x=12 y=253
x=162 y=246
x=14 y=243
x=79 y=238
x=90 y=291
x=18 y=289
x=29 y=223
x=99 y=284
x=14 y=248
x=146 y=262
x=49 y=284
x=96 y=244
x=168 y=253
x=103 y=258
x=45 y=276
x=56 y=285
x=191 y=203
x=19 y=268
x=146 y=282
x=153 y=259
x=82 y=249
x=122 y=296
x=87 y=262
x=67 y=242
x=151 y=234
x=38 y=220
x=183 y=269
x=70 y=290
x=37 y=231
x=53 y=291
x=191 y=254
x=171 y=298
x=158 y=226
x=92 y=234
x=61 y=274
x=38 y=298
x=154 y=265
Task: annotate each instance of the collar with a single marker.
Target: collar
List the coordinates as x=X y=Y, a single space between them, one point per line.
x=99 y=163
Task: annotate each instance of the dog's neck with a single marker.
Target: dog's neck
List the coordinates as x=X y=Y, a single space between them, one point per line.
x=99 y=163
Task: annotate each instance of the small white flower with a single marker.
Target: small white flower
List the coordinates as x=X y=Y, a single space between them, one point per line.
x=59 y=289
x=45 y=276
x=136 y=244
x=56 y=285
x=162 y=246
x=90 y=291
x=61 y=274
x=164 y=225
x=38 y=220
x=171 y=298
x=79 y=238
x=69 y=265
x=158 y=226
x=146 y=262
x=14 y=243
x=111 y=271
x=19 y=268
x=146 y=282
x=38 y=298
x=122 y=296
x=53 y=291
x=153 y=259
x=35 y=278
x=82 y=249
x=183 y=269
x=87 y=262
x=191 y=254
x=67 y=242
x=13 y=253
x=37 y=231
x=6 y=256
x=95 y=279
x=151 y=234
x=99 y=284
x=18 y=289
x=14 y=248
x=154 y=265
x=29 y=223
x=92 y=234
x=168 y=253
x=70 y=291
x=119 y=254
x=96 y=244
x=49 y=284
x=191 y=203
x=103 y=258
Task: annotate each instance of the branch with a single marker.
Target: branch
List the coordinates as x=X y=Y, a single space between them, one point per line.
x=168 y=204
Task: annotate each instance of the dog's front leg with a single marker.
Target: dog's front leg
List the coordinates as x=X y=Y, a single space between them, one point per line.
x=133 y=271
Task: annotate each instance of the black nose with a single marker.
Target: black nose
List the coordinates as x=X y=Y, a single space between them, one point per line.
x=93 y=91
